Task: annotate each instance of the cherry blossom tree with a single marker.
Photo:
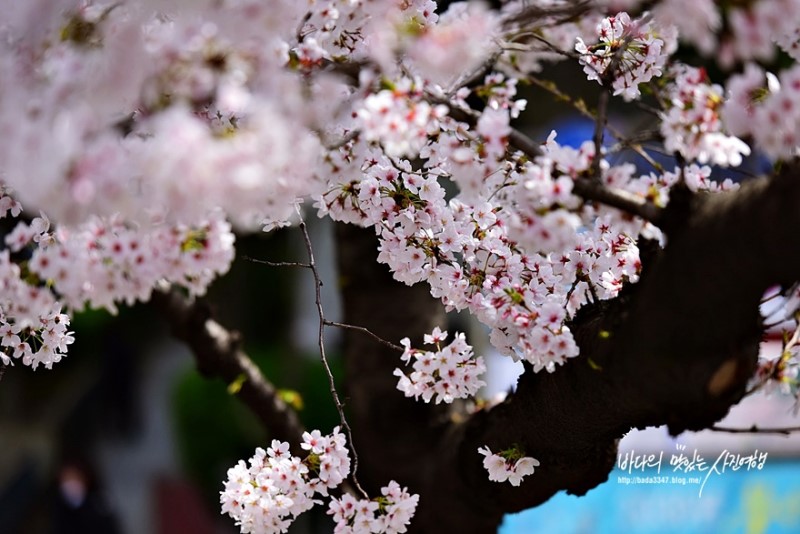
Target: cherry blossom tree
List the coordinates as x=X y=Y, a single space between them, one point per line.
x=139 y=136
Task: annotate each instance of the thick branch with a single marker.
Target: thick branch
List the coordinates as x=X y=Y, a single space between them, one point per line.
x=618 y=198
x=219 y=355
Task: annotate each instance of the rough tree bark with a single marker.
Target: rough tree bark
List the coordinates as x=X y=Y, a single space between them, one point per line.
x=677 y=348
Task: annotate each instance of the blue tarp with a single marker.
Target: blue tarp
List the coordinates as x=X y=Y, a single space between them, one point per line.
x=653 y=502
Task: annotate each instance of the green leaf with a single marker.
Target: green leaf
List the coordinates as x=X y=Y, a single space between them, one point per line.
x=292 y=398
x=594 y=365
x=236 y=386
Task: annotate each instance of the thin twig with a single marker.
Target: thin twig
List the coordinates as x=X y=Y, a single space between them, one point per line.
x=636 y=139
x=366 y=331
x=321 y=342
x=335 y=145
x=599 y=127
x=756 y=430
x=535 y=12
x=632 y=143
x=299 y=35
x=639 y=150
x=662 y=103
x=279 y=263
x=553 y=48
x=2 y=370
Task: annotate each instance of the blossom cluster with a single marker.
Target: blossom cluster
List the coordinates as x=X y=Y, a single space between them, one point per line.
x=781 y=373
x=448 y=373
x=8 y=204
x=517 y=262
x=696 y=21
x=32 y=327
x=49 y=272
x=197 y=135
x=374 y=30
x=462 y=250
x=500 y=93
x=399 y=119
x=631 y=48
x=460 y=41
x=388 y=514
x=510 y=465
x=750 y=30
x=276 y=487
x=106 y=261
x=656 y=186
x=755 y=26
x=767 y=107
x=691 y=124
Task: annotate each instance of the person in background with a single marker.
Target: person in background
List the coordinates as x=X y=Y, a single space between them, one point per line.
x=80 y=506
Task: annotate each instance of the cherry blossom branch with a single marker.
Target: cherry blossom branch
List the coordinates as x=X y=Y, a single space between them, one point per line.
x=218 y=353
x=580 y=106
x=595 y=191
x=786 y=431
x=321 y=342
x=299 y=35
x=365 y=331
x=606 y=79
x=589 y=189
x=326 y=322
x=535 y=36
